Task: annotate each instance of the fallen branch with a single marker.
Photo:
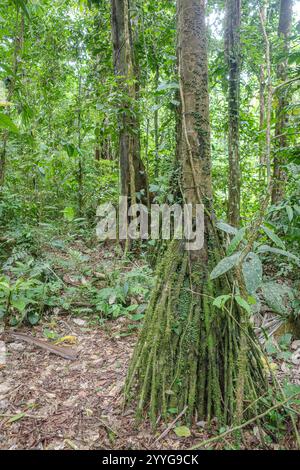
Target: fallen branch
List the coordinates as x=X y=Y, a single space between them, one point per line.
x=170 y=427
x=66 y=353
x=21 y=416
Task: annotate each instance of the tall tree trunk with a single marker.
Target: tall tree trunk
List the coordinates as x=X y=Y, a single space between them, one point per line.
x=133 y=175
x=188 y=355
x=232 y=49
x=18 y=45
x=156 y=123
x=284 y=30
x=262 y=87
x=79 y=144
x=262 y=111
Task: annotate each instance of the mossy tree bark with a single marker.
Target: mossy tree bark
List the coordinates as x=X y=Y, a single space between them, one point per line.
x=232 y=50
x=262 y=108
x=284 y=30
x=189 y=353
x=133 y=175
x=18 y=46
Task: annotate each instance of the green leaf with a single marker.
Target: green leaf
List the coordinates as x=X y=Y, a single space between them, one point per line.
x=285 y=341
x=69 y=214
x=142 y=308
x=291 y=389
x=225 y=265
x=49 y=334
x=236 y=241
x=297 y=208
x=252 y=300
x=253 y=273
x=220 y=301
x=33 y=318
x=290 y=213
x=16 y=417
x=167 y=86
x=156 y=107
x=137 y=317
x=154 y=188
x=270 y=347
x=273 y=237
x=21 y=4
x=5 y=285
x=276 y=251
x=227 y=228
x=19 y=304
x=284 y=355
x=182 y=431
x=7 y=68
x=70 y=149
x=279 y=297
x=132 y=308
x=173 y=411
x=7 y=123
x=242 y=303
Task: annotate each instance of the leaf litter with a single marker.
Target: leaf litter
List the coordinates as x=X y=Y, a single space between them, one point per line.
x=50 y=403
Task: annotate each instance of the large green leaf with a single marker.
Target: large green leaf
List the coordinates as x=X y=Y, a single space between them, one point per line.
x=225 y=265
x=243 y=303
x=236 y=241
x=182 y=431
x=7 y=123
x=19 y=303
x=33 y=318
x=220 y=301
x=227 y=228
x=69 y=213
x=279 y=297
x=272 y=235
x=253 y=273
x=277 y=251
x=290 y=213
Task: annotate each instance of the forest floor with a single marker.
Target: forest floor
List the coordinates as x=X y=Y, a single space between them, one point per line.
x=48 y=402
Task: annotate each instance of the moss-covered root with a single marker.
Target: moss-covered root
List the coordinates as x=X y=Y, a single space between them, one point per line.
x=189 y=353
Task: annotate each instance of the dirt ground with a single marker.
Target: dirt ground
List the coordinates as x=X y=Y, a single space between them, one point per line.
x=48 y=402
